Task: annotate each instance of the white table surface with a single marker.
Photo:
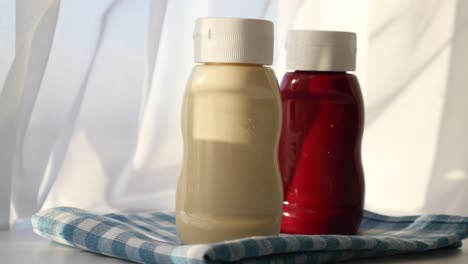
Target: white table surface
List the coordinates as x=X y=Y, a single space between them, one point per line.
x=26 y=247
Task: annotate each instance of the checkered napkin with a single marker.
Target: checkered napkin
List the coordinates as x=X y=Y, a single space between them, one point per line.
x=152 y=238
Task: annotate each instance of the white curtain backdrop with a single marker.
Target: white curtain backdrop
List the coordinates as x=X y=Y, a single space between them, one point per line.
x=91 y=92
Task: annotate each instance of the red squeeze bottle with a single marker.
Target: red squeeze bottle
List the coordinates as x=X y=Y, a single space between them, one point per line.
x=320 y=145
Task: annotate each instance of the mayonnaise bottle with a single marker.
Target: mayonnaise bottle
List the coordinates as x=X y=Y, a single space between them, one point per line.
x=230 y=185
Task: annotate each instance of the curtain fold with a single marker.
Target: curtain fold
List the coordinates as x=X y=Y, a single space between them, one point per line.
x=7 y=55
x=91 y=94
x=33 y=42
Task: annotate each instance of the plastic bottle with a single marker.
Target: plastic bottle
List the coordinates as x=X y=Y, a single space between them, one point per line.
x=320 y=146
x=230 y=185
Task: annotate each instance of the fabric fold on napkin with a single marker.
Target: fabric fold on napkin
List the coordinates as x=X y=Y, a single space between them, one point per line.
x=152 y=238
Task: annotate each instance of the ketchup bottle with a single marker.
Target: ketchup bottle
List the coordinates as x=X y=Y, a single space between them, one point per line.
x=320 y=145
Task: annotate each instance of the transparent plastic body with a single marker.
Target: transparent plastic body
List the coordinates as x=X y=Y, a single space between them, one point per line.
x=230 y=186
x=320 y=153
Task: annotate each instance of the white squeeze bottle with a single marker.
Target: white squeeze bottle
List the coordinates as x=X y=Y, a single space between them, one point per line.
x=230 y=185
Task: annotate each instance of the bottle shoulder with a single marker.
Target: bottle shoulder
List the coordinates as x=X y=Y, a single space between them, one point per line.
x=319 y=84
x=231 y=77
x=304 y=76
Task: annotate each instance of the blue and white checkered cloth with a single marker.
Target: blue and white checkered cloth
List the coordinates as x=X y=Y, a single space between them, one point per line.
x=152 y=238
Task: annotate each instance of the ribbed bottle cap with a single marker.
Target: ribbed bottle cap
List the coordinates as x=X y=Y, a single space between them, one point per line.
x=312 y=50
x=233 y=40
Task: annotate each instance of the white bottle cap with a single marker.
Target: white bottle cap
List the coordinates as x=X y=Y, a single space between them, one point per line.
x=311 y=50
x=233 y=40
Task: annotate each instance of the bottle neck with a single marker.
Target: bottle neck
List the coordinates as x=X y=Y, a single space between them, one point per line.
x=319 y=72
x=232 y=64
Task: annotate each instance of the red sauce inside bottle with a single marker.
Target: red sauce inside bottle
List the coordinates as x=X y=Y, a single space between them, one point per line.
x=320 y=153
